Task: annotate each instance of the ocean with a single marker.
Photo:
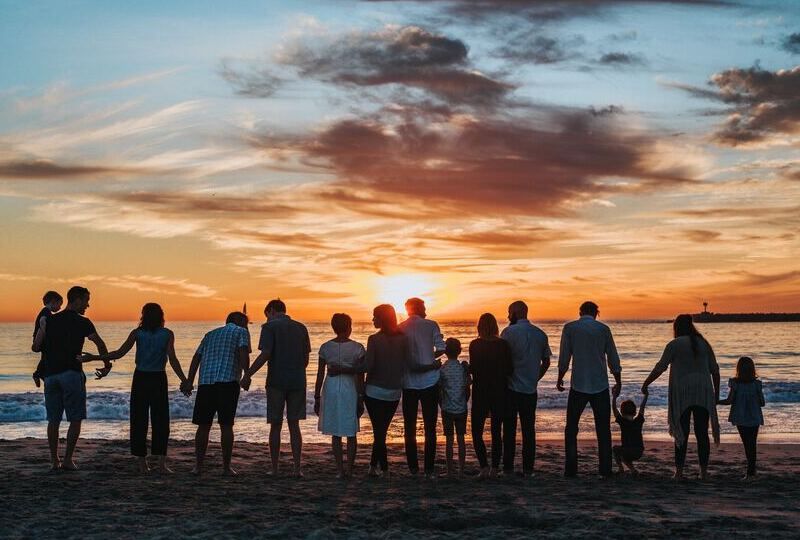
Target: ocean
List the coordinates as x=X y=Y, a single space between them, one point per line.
x=775 y=347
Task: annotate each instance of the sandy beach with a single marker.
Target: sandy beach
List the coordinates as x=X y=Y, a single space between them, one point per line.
x=106 y=498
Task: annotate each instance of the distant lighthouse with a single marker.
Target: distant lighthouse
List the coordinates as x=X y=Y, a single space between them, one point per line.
x=705 y=307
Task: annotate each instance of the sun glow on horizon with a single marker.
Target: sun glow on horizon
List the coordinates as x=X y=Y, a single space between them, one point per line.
x=398 y=288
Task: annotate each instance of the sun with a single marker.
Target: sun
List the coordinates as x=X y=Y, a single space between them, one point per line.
x=398 y=288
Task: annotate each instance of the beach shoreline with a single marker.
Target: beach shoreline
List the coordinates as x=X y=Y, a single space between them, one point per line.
x=107 y=498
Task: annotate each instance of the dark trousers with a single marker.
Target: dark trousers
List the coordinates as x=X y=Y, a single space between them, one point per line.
x=429 y=398
x=749 y=435
x=479 y=415
x=700 y=432
x=524 y=406
x=380 y=416
x=149 y=402
x=601 y=409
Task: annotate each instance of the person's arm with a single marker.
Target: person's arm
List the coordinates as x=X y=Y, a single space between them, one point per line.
x=612 y=358
x=642 y=406
x=265 y=343
x=95 y=338
x=761 y=400
x=728 y=400
x=713 y=367
x=38 y=340
x=469 y=379
x=564 y=357
x=188 y=384
x=544 y=366
x=614 y=407
x=318 y=384
x=173 y=359
x=416 y=368
x=660 y=367
x=438 y=342
x=115 y=355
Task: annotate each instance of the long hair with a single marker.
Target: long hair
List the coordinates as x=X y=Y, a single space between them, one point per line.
x=746 y=370
x=487 y=326
x=683 y=326
x=152 y=317
x=387 y=319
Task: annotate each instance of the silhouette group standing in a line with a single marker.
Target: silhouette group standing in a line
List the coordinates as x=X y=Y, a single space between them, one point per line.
x=399 y=362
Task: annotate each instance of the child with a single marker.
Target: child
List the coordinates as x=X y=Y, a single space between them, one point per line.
x=52 y=304
x=746 y=398
x=630 y=425
x=455 y=381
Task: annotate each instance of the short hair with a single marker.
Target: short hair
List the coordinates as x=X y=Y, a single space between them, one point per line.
x=519 y=307
x=627 y=407
x=51 y=296
x=238 y=318
x=76 y=293
x=275 y=305
x=452 y=347
x=341 y=323
x=589 y=308
x=487 y=326
x=415 y=305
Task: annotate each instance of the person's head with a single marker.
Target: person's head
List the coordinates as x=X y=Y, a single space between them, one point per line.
x=452 y=348
x=238 y=318
x=683 y=326
x=152 y=317
x=627 y=408
x=746 y=370
x=78 y=299
x=342 y=324
x=589 y=308
x=384 y=318
x=415 y=306
x=52 y=300
x=487 y=326
x=275 y=308
x=516 y=311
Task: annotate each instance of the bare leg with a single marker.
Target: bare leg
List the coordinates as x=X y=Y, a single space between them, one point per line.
x=618 y=458
x=296 y=439
x=142 y=465
x=337 y=455
x=162 y=465
x=462 y=454
x=632 y=468
x=52 y=441
x=226 y=440
x=352 y=448
x=275 y=444
x=200 y=446
x=73 y=433
x=448 y=452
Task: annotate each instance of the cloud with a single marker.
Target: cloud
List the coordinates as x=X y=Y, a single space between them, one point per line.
x=756 y=280
x=701 y=236
x=250 y=80
x=205 y=204
x=39 y=169
x=791 y=43
x=538 y=49
x=763 y=105
x=621 y=59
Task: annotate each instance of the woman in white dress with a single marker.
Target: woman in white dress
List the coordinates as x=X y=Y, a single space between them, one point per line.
x=338 y=397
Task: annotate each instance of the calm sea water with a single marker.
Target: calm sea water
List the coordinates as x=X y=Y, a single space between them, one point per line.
x=774 y=346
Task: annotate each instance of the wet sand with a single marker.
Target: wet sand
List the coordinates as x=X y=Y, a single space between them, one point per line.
x=108 y=499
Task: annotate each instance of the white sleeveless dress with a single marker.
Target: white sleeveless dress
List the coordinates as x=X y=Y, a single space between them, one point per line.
x=339 y=397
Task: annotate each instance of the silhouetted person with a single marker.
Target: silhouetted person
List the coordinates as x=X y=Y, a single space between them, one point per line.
x=52 y=304
x=285 y=347
x=589 y=345
x=631 y=445
x=490 y=366
x=693 y=390
x=421 y=384
x=387 y=362
x=61 y=337
x=221 y=357
x=149 y=390
x=746 y=397
x=530 y=357
x=454 y=380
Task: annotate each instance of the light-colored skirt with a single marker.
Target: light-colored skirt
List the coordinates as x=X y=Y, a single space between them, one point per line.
x=338 y=415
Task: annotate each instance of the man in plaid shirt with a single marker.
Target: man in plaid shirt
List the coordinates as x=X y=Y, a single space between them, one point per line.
x=221 y=357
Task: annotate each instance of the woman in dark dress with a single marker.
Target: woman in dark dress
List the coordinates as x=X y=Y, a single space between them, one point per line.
x=490 y=365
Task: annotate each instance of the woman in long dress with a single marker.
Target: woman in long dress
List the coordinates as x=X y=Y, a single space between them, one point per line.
x=693 y=391
x=337 y=397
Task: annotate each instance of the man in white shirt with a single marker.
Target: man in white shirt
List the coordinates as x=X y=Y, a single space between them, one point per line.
x=590 y=346
x=421 y=385
x=530 y=355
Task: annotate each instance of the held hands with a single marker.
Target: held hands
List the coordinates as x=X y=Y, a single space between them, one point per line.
x=645 y=390
x=616 y=390
x=245 y=382
x=186 y=387
x=102 y=372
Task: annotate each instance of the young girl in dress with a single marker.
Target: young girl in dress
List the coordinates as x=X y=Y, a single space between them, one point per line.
x=746 y=397
x=337 y=397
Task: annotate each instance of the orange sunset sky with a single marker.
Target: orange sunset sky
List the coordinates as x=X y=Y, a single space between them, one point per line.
x=645 y=155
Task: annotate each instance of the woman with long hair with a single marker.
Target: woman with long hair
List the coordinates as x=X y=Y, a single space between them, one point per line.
x=155 y=344
x=693 y=391
x=490 y=365
x=387 y=361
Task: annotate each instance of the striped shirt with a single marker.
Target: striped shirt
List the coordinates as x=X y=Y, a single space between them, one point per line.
x=217 y=351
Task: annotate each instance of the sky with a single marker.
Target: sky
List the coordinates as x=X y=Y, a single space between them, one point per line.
x=338 y=155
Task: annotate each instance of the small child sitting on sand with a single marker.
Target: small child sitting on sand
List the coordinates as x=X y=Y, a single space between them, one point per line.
x=746 y=397
x=630 y=425
x=455 y=381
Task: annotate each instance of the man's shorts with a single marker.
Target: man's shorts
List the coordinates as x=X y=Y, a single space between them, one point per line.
x=218 y=398
x=293 y=401
x=65 y=392
x=457 y=421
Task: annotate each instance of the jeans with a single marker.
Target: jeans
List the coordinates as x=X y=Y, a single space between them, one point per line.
x=524 y=406
x=749 y=435
x=479 y=415
x=601 y=408
x=429 y=397
x=380 y=415
x=700 y=432
x=149 y=401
